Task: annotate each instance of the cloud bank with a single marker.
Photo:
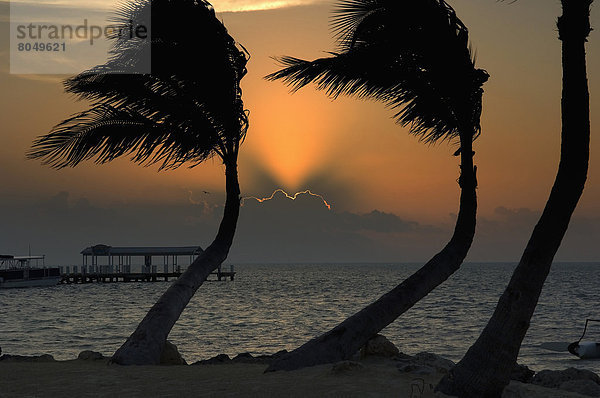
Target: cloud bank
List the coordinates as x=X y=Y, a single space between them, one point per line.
x=279 y=230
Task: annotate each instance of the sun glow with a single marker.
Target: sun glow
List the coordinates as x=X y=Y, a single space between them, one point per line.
x=219 y=5
x=291 y=197
x=255 y=5
x=292 y=146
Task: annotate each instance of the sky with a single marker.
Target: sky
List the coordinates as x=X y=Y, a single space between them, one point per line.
x=391 y=197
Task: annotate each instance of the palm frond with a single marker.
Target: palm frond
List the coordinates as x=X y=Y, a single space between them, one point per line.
x=104 y=133
x=413 y=55
x=420 y=105
x=349 y=16
x=184 y=111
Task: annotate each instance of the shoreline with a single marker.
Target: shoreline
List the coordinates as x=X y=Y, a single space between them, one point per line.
x=371 y=376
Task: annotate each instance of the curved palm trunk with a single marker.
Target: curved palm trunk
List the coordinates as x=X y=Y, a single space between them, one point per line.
x=485 y=369
x=145 y=345
x=348 y=337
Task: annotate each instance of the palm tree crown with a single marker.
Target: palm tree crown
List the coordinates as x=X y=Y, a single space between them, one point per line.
x=412 y=55
x=183 y=111
x=187 y=109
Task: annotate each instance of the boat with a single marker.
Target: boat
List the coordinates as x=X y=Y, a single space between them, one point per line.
x=585 y=349
x=24 y=271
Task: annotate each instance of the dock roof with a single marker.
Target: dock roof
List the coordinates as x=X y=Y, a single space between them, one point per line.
x=104 y=250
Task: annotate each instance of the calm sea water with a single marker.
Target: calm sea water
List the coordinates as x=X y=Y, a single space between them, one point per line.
x=272 y=307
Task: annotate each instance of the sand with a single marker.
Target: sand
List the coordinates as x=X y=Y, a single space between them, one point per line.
x=76 y=378
x=374 y=377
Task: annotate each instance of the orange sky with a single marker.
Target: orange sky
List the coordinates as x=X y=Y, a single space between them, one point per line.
x=349 y=151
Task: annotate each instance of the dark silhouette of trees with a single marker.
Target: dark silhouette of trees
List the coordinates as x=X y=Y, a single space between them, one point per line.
x=414 y=56
x=485 y=369
x=188 y=109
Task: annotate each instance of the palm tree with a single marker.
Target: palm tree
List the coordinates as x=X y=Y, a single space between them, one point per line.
x=185 y=111
x=414 y=56
x=485 y=369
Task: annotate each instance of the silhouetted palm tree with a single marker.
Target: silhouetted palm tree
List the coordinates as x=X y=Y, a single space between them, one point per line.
x=415 y=57
x=485 y=369
x=187 y=110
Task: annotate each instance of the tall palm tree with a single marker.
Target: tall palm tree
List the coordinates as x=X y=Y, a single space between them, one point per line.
x=485 y=369
x=184 y=111
x=414 y=56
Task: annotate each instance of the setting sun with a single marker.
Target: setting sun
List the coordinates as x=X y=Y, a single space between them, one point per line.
x=291 y=137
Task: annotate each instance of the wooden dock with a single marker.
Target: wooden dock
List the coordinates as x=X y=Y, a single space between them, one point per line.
x=68 y=278
x=106 y=264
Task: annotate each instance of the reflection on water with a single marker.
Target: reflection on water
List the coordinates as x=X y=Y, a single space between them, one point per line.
x=272 y=307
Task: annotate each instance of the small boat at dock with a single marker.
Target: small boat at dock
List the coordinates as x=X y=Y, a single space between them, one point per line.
x=585 y=349
x=25 y=271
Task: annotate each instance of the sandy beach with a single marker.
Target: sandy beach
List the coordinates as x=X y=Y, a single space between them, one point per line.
x=77 y=378
x=367 y=377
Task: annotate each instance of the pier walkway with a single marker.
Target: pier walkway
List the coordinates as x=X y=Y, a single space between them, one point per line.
x=78 y=277
x=103 y=263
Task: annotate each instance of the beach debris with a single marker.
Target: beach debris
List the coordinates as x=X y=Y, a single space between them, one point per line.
x=554 y=378
x=571 y=379
x=424 y=363
x=279 y=354
x=522 y=373
x=216 y=360
x=379 y=346
x=583 y=387
x=244 y=357
x=23 y=358
x=346 y=366
x=171 y=356
x=88 y=355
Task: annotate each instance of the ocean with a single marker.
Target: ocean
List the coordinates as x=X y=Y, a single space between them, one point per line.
x=279 y=306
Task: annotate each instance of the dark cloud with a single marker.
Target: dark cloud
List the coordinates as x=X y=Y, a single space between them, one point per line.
x=504 y=236
x=304 y=230
x=279 y=230
x=262 y=180
x=377 y=221
x=339 y=193
x=60 y=227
